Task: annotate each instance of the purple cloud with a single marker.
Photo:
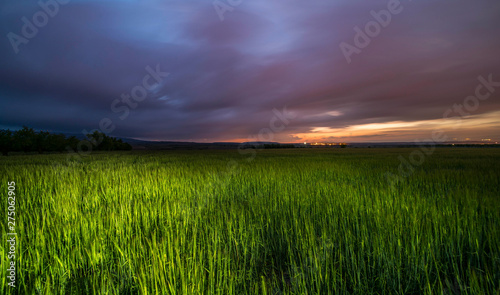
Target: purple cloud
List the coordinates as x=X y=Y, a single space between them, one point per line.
x=227 y=76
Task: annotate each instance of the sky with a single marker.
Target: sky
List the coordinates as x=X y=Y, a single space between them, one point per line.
x=244 y=70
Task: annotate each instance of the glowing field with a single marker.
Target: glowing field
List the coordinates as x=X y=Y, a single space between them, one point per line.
x=297 y=221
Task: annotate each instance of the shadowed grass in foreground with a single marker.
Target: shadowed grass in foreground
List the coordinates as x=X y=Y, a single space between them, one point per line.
x=289 y=222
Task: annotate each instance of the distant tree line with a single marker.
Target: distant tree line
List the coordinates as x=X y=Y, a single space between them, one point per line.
x=279 y=146
x=28 y=140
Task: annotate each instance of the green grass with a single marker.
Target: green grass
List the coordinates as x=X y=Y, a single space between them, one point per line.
x=298 y=221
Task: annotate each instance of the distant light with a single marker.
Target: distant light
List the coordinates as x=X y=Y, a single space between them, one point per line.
x=305 y=142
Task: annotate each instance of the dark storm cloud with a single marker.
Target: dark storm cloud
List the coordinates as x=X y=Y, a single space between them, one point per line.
x=227 y=76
